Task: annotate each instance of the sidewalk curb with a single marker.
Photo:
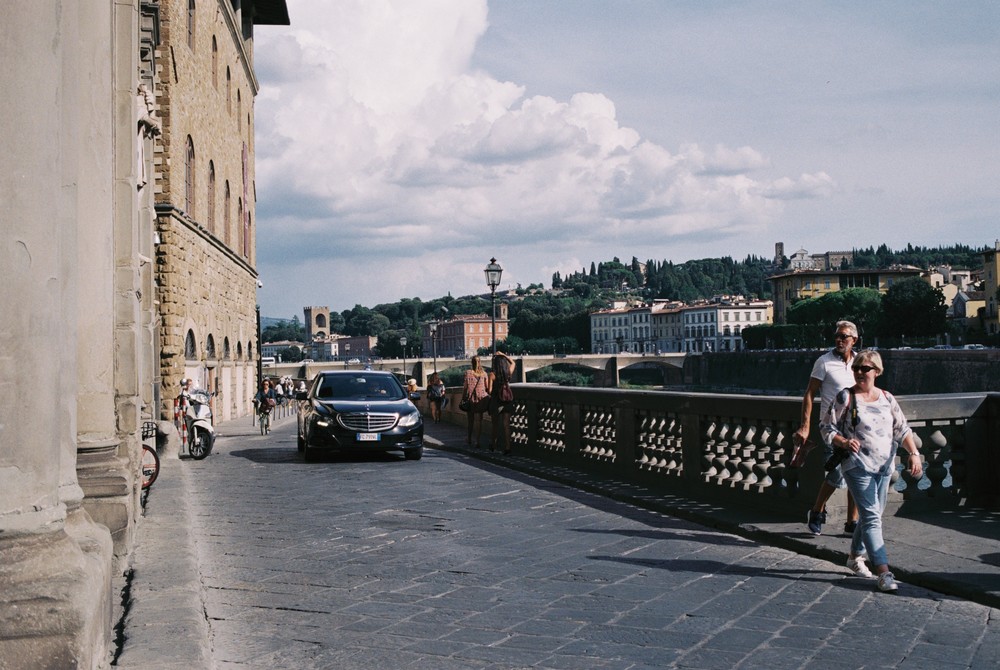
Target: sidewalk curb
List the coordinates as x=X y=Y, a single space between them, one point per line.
x=165 y=622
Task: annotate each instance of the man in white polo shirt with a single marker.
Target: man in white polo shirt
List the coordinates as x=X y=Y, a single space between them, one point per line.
x=831 y=372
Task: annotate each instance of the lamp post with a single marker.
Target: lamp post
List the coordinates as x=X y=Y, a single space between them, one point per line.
x=260 y=363
x=493 y=272
x=434 y=348
x=402 y=343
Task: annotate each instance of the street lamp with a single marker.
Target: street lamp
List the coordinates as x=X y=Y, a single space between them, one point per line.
x=434 y=349
x=493 y=272
x=260 y=362
x=402 y=343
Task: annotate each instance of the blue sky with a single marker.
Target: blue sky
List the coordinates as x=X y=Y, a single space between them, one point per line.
x=402 y=143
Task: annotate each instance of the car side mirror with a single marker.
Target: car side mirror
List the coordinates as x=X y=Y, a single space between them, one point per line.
x=302 y=395
x=414 y=396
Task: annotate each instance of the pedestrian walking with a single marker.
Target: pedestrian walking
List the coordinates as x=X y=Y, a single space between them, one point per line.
x=475 y=398
x=830 y=374
x=435 y=396
x=863 y=425
x=501 y=400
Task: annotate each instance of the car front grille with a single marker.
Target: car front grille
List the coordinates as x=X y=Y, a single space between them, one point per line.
x=364 y=422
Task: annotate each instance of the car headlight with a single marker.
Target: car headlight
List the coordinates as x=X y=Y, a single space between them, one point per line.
x=411 y=419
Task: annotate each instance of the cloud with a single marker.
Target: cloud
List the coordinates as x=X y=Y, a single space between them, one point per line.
x=377 y=138
x=806 y=187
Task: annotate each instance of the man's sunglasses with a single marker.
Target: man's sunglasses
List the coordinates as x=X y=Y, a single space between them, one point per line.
x=841 y=336
x=864 y=369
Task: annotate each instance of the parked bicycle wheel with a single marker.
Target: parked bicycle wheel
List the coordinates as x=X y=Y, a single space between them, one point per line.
x=149 y=466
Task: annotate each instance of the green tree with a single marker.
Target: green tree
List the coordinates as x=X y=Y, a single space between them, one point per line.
x=291 y=355
x=862 y=306
x=913 y=307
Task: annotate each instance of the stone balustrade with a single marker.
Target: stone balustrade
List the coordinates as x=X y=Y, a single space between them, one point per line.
x=735 y=448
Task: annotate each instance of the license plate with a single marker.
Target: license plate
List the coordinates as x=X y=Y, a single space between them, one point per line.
x=368 y=437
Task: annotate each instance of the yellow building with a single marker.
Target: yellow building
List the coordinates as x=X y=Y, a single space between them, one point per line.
x=790 y=287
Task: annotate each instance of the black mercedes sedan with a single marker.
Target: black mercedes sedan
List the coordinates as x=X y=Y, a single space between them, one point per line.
x=359 y=411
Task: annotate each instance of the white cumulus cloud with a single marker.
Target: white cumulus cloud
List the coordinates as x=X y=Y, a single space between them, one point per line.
x=379 y=143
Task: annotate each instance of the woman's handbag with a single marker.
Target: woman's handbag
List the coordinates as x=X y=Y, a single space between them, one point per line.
x=506 y=394
x=465 y=405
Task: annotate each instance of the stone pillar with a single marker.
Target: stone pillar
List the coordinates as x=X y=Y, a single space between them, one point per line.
x=103 y=458
x=55 y=564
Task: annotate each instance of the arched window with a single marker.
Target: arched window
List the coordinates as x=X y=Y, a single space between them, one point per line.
x=190 y=346
x=229 y=91
x=215 y=63
x=210 y=347
x=190 y=24
x=239 y=106
x=249 y=351
x=211 y=197
x=226 y=352
x=239 y=351
x=239 y=223
x=189 y=178
x=227 y=217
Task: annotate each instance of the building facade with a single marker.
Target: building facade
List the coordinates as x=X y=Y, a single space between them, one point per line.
x=717 y=324
x=80 y=150
x=463 y=335
x=75 y=155
x=205 y=198
x=790 y=287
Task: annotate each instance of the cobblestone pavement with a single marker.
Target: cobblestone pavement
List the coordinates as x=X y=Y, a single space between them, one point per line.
x=453 y=562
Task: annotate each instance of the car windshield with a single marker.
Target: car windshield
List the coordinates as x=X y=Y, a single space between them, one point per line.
x=359 y=387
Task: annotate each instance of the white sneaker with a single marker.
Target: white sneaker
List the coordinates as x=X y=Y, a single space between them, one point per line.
x=858 y=567
x=887 y=583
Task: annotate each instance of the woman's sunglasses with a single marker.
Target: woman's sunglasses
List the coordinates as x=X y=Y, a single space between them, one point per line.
x=864 y=369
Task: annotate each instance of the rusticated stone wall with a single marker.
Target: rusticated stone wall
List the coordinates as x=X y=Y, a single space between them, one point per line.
x=204 y=288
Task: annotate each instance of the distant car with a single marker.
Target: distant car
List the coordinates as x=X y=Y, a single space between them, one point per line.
x=352 y=361
x=942 y=346
x=358 y=411
x=974 y=346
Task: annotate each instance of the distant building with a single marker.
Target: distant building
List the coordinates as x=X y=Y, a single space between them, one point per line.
x=667 y=321
x=673 y=326
x=717 y=324
x=275 y=348
x=790 y=287
x=464 y=334
x=317 y=323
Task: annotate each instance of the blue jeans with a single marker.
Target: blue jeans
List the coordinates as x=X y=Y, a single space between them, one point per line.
x=869 y=493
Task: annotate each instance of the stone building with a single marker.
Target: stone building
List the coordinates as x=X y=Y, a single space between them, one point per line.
x=205 y=198
x=77 y=335
x=80 y=338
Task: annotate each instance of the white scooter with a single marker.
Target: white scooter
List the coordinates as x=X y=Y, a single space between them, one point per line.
x=198 y=422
